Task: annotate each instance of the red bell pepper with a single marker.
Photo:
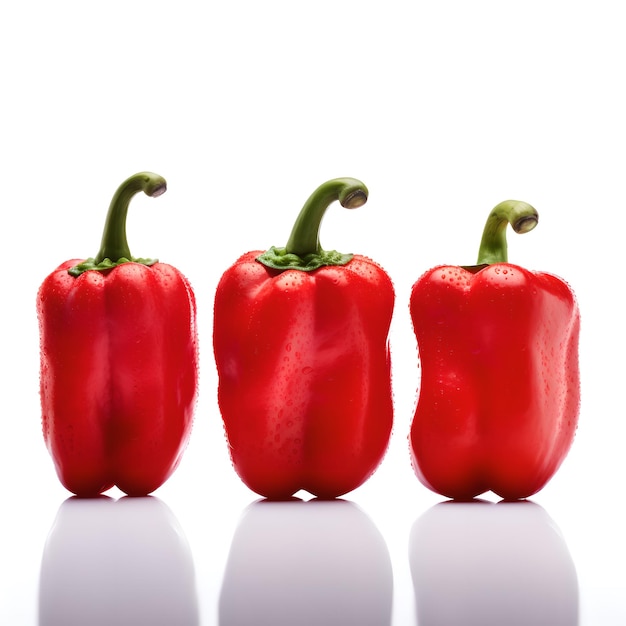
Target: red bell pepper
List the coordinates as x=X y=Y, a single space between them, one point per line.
x=498 y=346
x=118 y=362
x=301 y=347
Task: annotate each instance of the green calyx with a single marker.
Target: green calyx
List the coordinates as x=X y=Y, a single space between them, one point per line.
x=303 y=250
x=114 y=248
x=280 y=259
x=106 y=264
x=493 y=247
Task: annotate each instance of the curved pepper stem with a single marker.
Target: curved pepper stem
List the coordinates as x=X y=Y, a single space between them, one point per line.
x=114 y=248
x=303 y=250
x=493 y=247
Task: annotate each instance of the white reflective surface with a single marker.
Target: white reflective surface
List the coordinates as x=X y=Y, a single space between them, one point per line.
x=132 y=561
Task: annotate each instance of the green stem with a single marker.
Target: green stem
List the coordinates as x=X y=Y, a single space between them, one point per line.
x=493 y=247
x=114 y=248
x=303 y=250
x=114 y=245
x=304 y=238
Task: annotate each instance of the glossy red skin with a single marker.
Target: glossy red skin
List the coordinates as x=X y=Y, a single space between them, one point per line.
x=119 y=367
x=304 y=374
x=500 y=390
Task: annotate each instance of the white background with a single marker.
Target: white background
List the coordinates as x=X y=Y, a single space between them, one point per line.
x=443 y=109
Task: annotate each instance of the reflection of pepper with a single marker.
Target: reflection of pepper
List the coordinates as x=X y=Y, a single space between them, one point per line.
x=341 y=575
x=491 y=564
x=498 y=345
x=124 y=562
x=118 y=362
x=300 y=339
